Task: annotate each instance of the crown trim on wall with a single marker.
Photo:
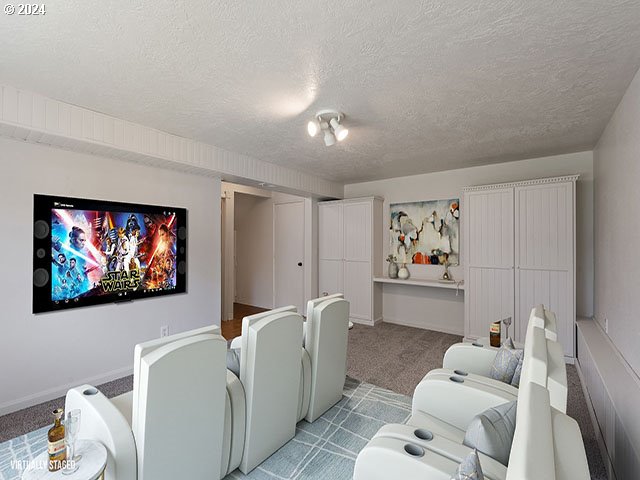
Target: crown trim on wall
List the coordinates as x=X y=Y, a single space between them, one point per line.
x=37 y=119
x=537 y=181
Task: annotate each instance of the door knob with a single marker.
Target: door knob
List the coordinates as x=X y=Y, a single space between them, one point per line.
x=299 y=264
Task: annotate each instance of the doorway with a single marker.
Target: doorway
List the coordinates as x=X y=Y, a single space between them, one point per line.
x=267 y=245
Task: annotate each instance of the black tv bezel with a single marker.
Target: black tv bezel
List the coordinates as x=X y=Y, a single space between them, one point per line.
x=42 y=206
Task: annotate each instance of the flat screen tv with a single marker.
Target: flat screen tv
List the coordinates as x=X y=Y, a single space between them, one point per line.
x=88 y=252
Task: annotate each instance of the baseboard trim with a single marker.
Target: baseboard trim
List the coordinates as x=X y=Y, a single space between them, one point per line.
x=46 y=395
x=423 y=325
x=596 y=428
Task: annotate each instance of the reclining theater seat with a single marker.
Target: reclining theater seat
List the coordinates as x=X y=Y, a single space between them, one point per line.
x=270 y=375
x=479 y=357
x=323 y=354
x=165 y=399
x=546 y=445
x=327 y=334
x=456 y=400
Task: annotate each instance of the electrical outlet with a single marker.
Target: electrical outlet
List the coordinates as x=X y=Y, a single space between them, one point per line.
x=606 y=326
x=164 y=331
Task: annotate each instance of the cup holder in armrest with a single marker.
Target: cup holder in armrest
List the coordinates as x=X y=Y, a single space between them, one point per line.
x=423 y=434
x=462 y=373
x=476 y=344
x=90 y=391
x=414 y=450
x=453 y=378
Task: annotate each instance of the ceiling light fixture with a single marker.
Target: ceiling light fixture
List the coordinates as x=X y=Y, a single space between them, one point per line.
x=328 y=121
x=339 y=131
x=329 y=138
x=313 y=127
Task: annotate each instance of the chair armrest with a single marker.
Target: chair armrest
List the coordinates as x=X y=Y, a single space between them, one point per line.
x=454 y=402
x=470 y=357
x=103 y=421
x=236 y=342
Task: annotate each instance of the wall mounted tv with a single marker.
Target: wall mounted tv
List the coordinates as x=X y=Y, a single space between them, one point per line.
x=88 y=252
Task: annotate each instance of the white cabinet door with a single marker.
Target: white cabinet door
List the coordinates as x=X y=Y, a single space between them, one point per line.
x=330 y=277
x=357 y=289
x=545 y=256
x=330 y=232
x=357 y=231
x=489 y=276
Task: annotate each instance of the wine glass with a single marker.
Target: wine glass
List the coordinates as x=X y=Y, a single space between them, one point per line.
x=71 y=429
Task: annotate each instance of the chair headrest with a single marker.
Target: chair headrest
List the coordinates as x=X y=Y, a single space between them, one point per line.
x=534 y=364
x=532 y=454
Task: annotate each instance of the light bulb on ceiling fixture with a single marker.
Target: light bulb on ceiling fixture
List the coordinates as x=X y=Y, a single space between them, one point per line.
x=340 y=132
x=329 y=138
x=313 y=127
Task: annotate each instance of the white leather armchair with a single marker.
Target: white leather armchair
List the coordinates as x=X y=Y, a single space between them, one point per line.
x=326 y=345
x=457 y=399
x=547 y=444
x=473 y=363
x=270 y=375
x=477 y=357
x=176 y=411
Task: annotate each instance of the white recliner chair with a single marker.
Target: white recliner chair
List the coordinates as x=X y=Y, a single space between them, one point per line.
x=175 y=411
x=547 y=444
x=477 y=357
x=448 y=404
x=466 y=362
x=327 y=331
x=323 y=354
x=270 y=375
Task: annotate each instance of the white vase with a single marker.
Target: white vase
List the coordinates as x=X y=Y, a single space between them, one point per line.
x=403 y=273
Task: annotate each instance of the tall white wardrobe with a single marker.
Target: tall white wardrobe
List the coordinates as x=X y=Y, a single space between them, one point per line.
x=519 y=241
x=349 y=252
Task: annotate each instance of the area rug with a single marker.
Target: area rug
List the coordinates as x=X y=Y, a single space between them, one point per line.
x=324 y=449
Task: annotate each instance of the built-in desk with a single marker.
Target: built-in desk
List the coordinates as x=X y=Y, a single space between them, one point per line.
x=419 y=282
x=423 y=303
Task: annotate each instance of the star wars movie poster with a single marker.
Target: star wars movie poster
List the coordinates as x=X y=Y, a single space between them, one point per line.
x=96 y=253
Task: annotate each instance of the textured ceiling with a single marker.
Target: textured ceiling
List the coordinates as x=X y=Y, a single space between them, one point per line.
x=426 y=86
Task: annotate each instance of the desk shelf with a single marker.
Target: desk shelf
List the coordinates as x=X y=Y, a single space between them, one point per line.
x=458 y=285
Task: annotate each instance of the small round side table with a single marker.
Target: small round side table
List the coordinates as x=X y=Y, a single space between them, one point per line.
x=90 y=467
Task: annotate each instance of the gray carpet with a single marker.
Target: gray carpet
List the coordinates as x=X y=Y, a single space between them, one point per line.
x=32 y=418
x=390 y=356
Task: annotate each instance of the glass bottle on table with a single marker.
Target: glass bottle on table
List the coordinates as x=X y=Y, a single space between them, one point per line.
x=72 y=427
x=56 y=442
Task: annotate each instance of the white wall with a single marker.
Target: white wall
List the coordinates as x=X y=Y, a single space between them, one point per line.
x=444 y=310
x=254 y=250
x=617 y=233
x=42 y=355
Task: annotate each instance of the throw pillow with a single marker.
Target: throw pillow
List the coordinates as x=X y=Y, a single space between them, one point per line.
x=491 y=432
x=469 y=469
x=515 y=381
x=506 y=361
x=233 y=361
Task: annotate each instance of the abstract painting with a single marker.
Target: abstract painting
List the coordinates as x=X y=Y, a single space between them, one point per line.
x=426 y=233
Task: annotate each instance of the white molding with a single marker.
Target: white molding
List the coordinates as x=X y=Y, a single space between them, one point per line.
x=523 y=183
x=61 y=391
x=592 y=415
x=34 y=118
x=423 y=326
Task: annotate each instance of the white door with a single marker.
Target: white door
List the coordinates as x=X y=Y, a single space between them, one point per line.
x=489 y=276
x=330 y=249
x=544 y=256
x=357 y=259
x=288 y=255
